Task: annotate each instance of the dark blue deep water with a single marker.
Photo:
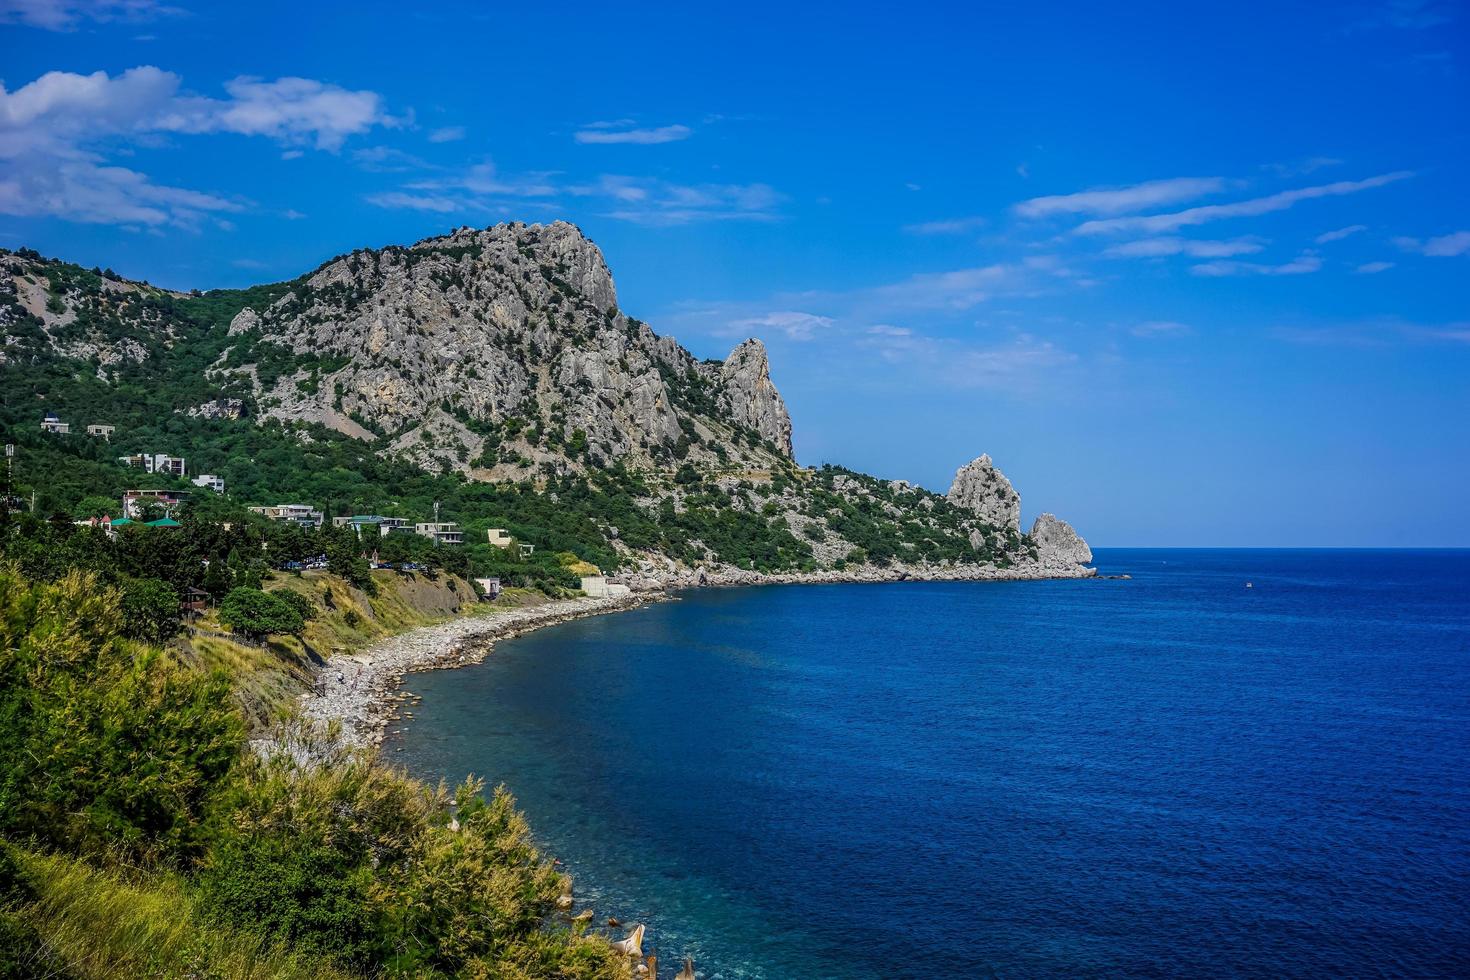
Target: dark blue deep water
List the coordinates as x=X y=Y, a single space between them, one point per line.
x=1173 y=775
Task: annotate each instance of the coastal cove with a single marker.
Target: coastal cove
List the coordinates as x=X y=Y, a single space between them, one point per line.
x=1173 y=774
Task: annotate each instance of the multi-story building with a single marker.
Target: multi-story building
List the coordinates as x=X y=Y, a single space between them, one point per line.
x=209 y=481
x=384 y=525
x=156 y=463
x=51 y=423
x=133 y=501
x=500 y=537
x=299 y=514
x=101 y=429
x=440 y=532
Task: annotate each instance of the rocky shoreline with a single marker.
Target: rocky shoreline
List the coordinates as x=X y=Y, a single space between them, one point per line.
x=651 y=577
x=357 y=690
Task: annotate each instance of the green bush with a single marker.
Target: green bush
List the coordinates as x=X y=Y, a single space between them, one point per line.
x=106 y=748
x=254 y=614
x=150 y=610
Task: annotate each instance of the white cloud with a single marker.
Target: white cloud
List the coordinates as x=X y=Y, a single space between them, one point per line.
x=888 y=330
x=388 y=160
x=1369 y=268
x=1300 y=265
x=438 y=203
x=642 y=200
x=447 y=134
x=80 y=190
x=1195 y=248
x=64 y=15
x=615 y=133
x=1445 y=246
x=49 y=129
x=951 y=226
x=1160 y=328
x=1339 y=234
x=794 y=324
x=1122 y=200
x=1162 y=223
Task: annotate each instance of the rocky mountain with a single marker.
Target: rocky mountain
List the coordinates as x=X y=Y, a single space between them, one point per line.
x=497 y=358
x=498 y=350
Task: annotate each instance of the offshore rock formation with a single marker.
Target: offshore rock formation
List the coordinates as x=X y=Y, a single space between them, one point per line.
x=980 y=487
x=1055 y=539
x=501 y=350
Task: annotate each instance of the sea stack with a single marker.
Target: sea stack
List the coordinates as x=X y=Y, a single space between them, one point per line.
x=1055 y=538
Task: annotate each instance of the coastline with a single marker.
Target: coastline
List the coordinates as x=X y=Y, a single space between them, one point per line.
x=357 y=689
x=652 y=576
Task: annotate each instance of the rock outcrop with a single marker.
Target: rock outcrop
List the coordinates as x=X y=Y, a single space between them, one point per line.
x=751 y=399
x=501 y=352
x=980 y=487
x=1055 y=538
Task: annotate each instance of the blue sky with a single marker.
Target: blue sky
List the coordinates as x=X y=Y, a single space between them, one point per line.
x=1193 y=274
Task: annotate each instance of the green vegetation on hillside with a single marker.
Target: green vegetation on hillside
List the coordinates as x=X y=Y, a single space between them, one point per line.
x=139 y=834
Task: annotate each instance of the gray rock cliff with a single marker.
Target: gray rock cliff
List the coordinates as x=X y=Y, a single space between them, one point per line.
x=1055 y=538
x=980 y=487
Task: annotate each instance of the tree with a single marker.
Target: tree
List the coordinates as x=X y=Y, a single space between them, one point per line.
x=300 y=603
x=150 y=610
x=95 y=506
x=253 y=613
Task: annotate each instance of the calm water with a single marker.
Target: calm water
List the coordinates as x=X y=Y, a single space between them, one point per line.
x=1168 y=775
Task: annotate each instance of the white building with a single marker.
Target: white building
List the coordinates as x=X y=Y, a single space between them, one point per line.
x=299 y=514
x=440 y=532
x=53 y=424
x=133 y=501
x=500 y=537
x=156 y=463
x=210 y=481
x=597 y=586
x=100 y=429
x=384 y=525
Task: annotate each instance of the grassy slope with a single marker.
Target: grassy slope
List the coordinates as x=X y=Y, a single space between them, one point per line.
x=99 y=924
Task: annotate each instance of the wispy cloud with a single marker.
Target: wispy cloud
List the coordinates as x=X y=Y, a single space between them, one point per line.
x=950 y=226
x=641 y=200
x=1301 y=265
x=1371 y=268
x=1122 y=200
x=446 y=134
x=388 y=160
x=793 y=324
x=1195 y=248
x=1162 y=223
x=1339 y=234
x=619 y=132
x=1160 y=328
x=66 y=15
x=1408 y=15
x=1444 y=246
x=1019 y=365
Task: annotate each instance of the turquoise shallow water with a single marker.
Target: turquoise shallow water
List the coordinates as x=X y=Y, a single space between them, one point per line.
x=1173 y=775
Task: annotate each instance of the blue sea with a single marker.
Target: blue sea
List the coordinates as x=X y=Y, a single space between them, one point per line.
x=1172 y=775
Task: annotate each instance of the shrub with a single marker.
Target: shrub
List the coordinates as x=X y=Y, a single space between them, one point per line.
x=298 y=602
x=253 y=613
x=150 y=610
x=106 y=748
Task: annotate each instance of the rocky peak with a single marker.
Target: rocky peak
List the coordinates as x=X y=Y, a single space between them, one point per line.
x=980 y=487
x=501 y=352
x=751 y=399
x=1055 y=539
